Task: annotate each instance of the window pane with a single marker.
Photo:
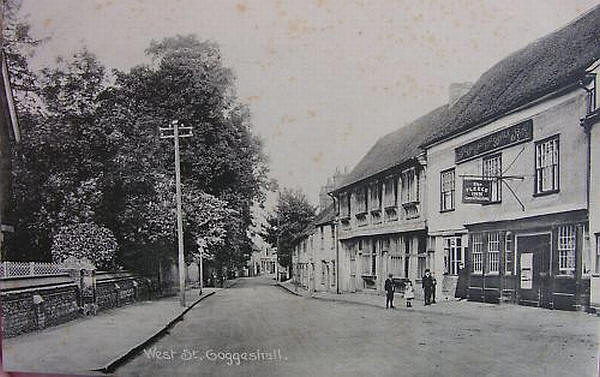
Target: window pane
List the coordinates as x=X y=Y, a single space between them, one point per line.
x=492 y=168
x=566 y=249
x=547 y=165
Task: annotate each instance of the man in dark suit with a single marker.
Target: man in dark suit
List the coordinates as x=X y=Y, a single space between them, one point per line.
x=428 y=285
x=390 y=288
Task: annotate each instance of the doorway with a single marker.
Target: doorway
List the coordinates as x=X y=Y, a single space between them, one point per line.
x=534 y=269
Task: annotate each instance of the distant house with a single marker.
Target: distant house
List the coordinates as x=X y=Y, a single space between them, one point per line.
x=314 y=258
x=9 y=134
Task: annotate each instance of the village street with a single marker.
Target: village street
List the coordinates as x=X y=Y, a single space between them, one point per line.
x=259 y=321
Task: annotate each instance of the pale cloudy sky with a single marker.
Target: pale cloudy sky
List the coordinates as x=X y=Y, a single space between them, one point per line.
x=324 y=79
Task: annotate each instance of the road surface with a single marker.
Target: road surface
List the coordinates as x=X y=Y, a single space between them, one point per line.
x=258 y=329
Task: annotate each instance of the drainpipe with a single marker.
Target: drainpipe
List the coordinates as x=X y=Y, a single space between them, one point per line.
x=337 y=247
x=586 y=123
x=587 y=127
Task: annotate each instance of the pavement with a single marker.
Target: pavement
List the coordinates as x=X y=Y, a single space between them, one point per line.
x=258 y=328
x=91 y=344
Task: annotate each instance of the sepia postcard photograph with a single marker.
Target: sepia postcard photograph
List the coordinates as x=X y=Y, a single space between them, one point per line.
x=300 y=188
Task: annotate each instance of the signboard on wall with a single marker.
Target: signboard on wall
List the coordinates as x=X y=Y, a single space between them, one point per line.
x=516 y=134
x=477 y=191
x=526 y=270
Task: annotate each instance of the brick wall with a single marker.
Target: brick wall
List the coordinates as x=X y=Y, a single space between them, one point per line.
x=21 y=315
x=118 y=292
x=34 y=303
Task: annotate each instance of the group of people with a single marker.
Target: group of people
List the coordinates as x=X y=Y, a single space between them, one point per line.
x=428 y=283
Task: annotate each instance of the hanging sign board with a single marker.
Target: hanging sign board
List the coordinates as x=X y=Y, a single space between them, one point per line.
x=477 y=191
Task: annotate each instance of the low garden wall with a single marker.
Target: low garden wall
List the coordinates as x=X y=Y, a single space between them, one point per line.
x=30 y=303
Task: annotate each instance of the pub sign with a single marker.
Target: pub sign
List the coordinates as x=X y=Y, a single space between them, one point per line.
x=477 y=191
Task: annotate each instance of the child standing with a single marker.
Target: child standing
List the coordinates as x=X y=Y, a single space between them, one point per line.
x=409 y=294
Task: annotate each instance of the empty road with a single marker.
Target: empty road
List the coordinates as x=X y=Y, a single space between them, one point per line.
x=258 y=329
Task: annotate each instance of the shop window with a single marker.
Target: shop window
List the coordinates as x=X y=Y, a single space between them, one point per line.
x=566 y=250
x=477 y=254
x=508 y=254
x=493 y=252
x=453 y=254
x=547 y=165
x=447 y=190
x=396 y=265
x=492 y=170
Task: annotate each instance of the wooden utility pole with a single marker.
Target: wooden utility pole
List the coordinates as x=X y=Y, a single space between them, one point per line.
x=172 y=132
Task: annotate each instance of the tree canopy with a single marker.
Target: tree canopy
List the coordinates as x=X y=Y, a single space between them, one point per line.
x=92 y=155
x=292 y=214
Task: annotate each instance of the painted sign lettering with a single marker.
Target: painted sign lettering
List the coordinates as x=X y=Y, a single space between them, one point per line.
x=477 y=191
x=516 y=134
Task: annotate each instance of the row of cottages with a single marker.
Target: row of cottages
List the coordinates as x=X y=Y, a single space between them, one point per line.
x=383 y=211
x=503 y=180
x=314 y=259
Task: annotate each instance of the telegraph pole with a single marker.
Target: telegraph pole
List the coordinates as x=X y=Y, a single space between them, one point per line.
x=172 y=132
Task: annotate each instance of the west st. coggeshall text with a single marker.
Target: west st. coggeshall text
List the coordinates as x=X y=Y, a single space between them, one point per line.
x=228 y=357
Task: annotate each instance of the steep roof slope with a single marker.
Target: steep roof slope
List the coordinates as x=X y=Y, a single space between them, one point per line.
x=542 y=67
x=396 y=147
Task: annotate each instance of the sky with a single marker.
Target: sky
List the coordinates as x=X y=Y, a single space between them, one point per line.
x=324 y=79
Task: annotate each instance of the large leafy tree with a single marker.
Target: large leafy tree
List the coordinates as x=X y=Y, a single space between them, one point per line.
x=292 y=214
x=92 y=159
x=188 y=82
x=63 y=162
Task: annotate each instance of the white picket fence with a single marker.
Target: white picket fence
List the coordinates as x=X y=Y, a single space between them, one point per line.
x=24 y=269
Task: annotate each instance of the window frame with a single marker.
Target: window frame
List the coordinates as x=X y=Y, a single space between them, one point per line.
x=452 y=192
x=479 y=253
x=409 y=192
x=509 y=251
x=571 y=253
x=536 y=188
x=390 y=192
x=494 y=181
x=451 y=252
x=489 y=261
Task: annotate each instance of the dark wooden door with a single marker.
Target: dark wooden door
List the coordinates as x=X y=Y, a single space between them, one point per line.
x=534 y=268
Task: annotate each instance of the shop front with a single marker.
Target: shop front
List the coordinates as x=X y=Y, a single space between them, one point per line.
x=539 y=261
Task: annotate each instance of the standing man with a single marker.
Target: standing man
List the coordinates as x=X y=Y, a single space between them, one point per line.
x=390 y=288
x=433 y=289
x=428 y=284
